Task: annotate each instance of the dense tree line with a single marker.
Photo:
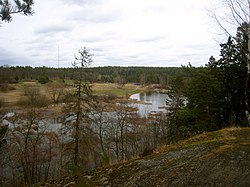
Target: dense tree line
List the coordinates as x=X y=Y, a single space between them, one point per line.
x=85 y=131
x=215 y=95
x=142 y=75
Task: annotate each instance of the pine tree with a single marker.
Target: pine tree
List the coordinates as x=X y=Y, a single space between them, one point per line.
x=231 y=71
x=7 y=9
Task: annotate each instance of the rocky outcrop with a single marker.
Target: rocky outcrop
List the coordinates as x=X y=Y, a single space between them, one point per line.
x=220 y=158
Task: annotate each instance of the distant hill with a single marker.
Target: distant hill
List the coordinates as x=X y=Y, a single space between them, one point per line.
x=220 y=158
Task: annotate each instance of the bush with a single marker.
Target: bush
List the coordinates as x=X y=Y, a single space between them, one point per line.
x=2 y=102
x=111 y=96
x=105 y=159
x=34 y=98
x=4 y=87
x=39 y=101
x=31 y=91
x=146 y=152
x=43 y=79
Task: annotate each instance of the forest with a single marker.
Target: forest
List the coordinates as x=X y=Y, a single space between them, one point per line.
x=71 y=128
x=111 y=74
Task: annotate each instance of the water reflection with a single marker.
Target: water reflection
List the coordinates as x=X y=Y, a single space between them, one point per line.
x=150 y=102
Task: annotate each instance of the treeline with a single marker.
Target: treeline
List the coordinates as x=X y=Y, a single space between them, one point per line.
x=84 y=131
x=142 y=75
x=216 y=96
x=87 y=130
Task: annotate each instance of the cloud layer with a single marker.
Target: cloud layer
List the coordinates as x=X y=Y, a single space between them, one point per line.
x=118 y=32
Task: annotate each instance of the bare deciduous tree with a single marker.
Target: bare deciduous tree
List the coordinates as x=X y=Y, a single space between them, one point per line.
x=120 y=81
x=28 y=150
x=34 y=98
x=56 y=91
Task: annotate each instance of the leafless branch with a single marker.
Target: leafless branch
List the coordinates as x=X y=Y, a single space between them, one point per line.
x=214 y=16
x=236 y=14
x=245 y=14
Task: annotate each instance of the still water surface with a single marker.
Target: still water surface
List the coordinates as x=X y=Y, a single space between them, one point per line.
x=150 y=102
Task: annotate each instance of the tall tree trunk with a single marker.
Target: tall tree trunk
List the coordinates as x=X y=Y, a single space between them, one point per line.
x=248 y=74
x=76 y=150
x=78 y=115
x=101 y=138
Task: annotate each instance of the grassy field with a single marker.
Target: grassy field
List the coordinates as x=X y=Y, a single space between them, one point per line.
x=12 y=96
x=110 y=88
x=15 y=92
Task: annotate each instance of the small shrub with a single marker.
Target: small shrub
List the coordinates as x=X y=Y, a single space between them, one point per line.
x=147 y=151
x=11 y=88
x=105 y=159
x=73 y=169
x=4 y=87
x=68 y=97
x=43 y=79
x=111 y=96
x=2 y=102
x=34 y=98
x=40 y=101
x=31 y=91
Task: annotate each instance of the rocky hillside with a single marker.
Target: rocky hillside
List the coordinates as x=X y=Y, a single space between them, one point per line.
x=220 y=158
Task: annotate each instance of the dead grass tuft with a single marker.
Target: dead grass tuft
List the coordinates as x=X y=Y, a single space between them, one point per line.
x=227 y=134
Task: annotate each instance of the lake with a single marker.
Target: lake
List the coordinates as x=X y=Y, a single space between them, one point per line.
x=150 y=102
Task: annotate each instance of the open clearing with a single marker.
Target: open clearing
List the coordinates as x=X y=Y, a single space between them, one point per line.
x=14 y=95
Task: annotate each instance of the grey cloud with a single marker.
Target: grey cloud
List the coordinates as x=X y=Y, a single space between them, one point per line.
x=196 y=47
x=97 y=49
x=100 y=38
x=101 y=18
x=148 y=39
x=80 y=2
x=194 y=58
x=40 y=47
x=12 y=59
x=133 y=56
x=135 y=60
x=95 y=11
x=93 y=39
x=99 y=52
x=8 y=61
x=95 y=16
x=53 y=28
x=159 y=8
x=42 y=39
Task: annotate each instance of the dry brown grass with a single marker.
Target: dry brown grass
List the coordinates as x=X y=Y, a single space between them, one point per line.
x=115 y=89
x=226 y=134
x=216 y=151
x=12 y=97
x=112 y=86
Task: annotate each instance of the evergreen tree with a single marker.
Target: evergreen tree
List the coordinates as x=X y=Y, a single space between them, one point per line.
x=78 y=105
x=231 y=71
x=195 y=104
x=7 y=9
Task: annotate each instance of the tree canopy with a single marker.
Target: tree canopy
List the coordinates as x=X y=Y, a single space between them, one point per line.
x=7 y=9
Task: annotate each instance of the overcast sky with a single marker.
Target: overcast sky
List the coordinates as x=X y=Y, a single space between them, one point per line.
x=117 y=32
